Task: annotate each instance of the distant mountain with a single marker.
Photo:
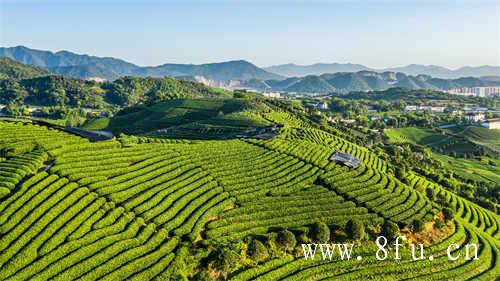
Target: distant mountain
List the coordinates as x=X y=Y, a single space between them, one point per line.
x=292 y=70
x=60 y=59
x=344 y=82
x=85 y=72
x=85 y=66
x=223 y=71
x=12 y=69
x=316 y=83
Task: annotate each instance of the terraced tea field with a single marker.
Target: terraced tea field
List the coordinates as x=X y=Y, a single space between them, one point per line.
x=441 y=142
x=136 y=208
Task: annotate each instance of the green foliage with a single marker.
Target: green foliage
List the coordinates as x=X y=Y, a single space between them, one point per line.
x=390 y=230
x=448 y=213
x=438 y=141
x=134 y=90
x=286 y=240
x=226 y=260
x=418 y=225
x=320 y=232
x=97 y=124
x=201 y=117
x=62 y=91
x=11 y=69
x=119 y=209
x=440 y=223
x=355 y=229
x=257 y=251
x=430 y=193
x=204 y=275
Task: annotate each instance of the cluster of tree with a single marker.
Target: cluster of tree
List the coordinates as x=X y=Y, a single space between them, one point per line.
x=227 y=258
x=15 y=70
x=483 y=193
x=72 y=116
x=408 y=157
x=56 y=90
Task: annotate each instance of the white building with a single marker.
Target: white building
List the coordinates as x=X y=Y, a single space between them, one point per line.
x=491 y=123
x=475 y=91
x=424 y=108
x=272 y=95
x=437 y=109
x=475 y=109
x=474 y=117
x=410 y=107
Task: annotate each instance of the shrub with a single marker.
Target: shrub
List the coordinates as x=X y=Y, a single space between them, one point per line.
x=226 y=260
x=418 y=225
x=430 y=193
x=257 y=251
x=286 y=240
x=441 y=199
x=448 y=213
x=355 y=229
x=440 y=223
x=320 y=232
x=390 y=230
x=204 y=276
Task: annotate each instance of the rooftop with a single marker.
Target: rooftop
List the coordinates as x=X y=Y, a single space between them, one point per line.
x=346 y=159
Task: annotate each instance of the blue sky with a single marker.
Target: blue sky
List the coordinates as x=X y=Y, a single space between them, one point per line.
x=373 y=33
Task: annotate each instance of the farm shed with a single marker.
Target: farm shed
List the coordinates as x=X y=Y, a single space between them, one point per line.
x=346 y=159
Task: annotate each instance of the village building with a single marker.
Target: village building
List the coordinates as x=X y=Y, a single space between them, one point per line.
x=474 y=117
x=491 y=123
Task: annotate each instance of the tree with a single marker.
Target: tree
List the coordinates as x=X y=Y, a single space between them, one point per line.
x=257 y=251
x=439 y=223
x=226 y=260
x=448 y=213
x=418 y=225
x=286 y=239
x=320 y=232
x=355 y=229
x=441 y=199
x=390 y=230
x=431 y=194
x=204 y=276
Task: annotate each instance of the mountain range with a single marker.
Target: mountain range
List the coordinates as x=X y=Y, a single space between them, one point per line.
x=293 y=70
x=344 y=82
x=85 y=66
x=317 y=78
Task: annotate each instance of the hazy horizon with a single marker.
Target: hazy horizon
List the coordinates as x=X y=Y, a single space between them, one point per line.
x=376 y=34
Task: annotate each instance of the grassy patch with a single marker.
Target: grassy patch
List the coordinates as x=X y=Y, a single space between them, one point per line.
x=486 y=169
x=438 y=141
x=96 y=124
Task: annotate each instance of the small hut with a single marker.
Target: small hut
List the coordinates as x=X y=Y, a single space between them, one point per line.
x=347 y=159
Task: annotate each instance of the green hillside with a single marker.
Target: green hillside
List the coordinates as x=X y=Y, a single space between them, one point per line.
x=196 y=116
x=55 y=90
x=139 y=208
x=486 y=169
x=438 y=141
x=15 y=70
x=479 y=135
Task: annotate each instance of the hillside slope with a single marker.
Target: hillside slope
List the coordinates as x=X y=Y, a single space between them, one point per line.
x=160 y=209
x=14 y=70
x=56 y=90
x=196 y=118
